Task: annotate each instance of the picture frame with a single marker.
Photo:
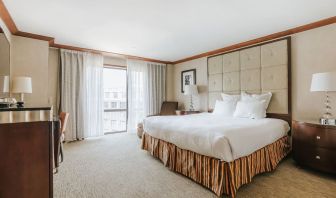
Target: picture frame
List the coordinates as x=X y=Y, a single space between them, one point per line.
x=188 y=77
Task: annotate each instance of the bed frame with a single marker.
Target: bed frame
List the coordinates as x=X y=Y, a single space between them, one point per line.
x=255 y=69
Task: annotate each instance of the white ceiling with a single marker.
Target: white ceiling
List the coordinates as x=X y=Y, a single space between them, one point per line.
x=163 y=29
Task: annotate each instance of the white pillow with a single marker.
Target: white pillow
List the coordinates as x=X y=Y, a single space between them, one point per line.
x=225 y=108
x=250 y=109
x=228 y=97
x=251 y=97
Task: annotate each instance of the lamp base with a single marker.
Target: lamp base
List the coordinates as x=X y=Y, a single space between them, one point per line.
x=20 y=104
x=325 y=121
x=191 y=106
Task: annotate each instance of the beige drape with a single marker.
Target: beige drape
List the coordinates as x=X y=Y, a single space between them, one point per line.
x=146 y=90
x=81 y=93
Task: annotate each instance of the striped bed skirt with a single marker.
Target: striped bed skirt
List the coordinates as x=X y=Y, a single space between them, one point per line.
x=219 y=176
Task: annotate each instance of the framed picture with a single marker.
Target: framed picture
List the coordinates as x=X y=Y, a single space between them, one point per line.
x=188 y=77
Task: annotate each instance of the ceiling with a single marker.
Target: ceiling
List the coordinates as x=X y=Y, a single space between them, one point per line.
x=167 y=30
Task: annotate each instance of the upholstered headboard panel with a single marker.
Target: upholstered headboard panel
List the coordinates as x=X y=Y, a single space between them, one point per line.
x=257 y=69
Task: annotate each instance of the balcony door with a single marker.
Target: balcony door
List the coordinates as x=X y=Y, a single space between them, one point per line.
x=115 y=100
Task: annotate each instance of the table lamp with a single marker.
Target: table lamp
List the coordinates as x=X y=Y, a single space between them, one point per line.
x=191 y=90
x=325 y=82
x=21 y=85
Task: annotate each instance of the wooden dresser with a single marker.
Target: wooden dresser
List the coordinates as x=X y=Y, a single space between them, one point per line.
x=26 y=150
x=314 y=145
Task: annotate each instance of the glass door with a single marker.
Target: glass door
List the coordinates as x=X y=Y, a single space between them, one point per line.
x=115 y=100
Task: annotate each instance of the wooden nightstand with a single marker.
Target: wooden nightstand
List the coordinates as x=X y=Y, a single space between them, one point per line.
x=314 y=145
x=186 y=112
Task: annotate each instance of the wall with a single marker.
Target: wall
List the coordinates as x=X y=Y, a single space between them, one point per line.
x=312 y=51
x=201 y=101
x=29 y=57
x=170 y=95
x=117 y=61
x=53 y=74
x=4 y=55
x=4 y=62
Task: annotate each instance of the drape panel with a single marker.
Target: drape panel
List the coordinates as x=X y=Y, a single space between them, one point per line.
x=146 y=90
x=82 y=93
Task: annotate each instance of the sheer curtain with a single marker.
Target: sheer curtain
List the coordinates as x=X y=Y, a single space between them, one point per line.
x=82 y=93
x=146 y=90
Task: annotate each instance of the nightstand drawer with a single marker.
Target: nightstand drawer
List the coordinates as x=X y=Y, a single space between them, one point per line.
x=314 y=136
x=319 y=158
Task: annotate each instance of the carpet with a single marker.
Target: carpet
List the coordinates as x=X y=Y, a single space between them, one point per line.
x=115 y=166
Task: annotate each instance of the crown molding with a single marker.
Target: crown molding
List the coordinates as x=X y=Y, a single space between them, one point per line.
x=35 y=36
x=270 y=37
x=60 y=46
x=4 y=14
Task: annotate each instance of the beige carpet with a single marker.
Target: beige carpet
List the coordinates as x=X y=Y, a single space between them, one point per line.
x=115 y=166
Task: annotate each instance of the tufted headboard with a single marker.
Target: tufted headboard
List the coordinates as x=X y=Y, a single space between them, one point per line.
x=257 y=69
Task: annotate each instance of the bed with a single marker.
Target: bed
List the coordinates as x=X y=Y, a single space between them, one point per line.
x=224 y=153
x=220 y=153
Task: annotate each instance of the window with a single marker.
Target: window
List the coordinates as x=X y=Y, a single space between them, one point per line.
x=113 y=105
x=106 y=105
x=122 y=105
x=115 y=100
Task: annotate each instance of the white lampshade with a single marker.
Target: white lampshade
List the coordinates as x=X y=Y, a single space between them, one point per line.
x=323 y=82
x=22 y=85
x=190 y=90
x=4 y=84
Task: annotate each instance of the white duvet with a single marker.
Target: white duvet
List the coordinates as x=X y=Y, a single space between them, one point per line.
x=225 y=138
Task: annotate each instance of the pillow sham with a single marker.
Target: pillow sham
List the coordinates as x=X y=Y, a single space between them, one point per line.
x=250 y=109
x=229 y=97
x=252 y=97
x=225 y=108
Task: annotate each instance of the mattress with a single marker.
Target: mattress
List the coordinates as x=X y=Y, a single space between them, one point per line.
x=224 y=138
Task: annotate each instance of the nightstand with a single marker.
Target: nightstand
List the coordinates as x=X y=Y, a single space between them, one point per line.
x=186 y=112
x=314 y=145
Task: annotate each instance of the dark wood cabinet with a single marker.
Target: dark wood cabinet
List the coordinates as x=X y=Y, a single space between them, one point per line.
x=26 y=150
x=314 y=145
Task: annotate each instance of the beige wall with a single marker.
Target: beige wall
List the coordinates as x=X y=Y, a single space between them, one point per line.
x=170 y=95
x=312 y=51
x=118 y=61
x=4 y=55
x=29 y=57
x=4 y=62
x=201 y=101
x=53 y=74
